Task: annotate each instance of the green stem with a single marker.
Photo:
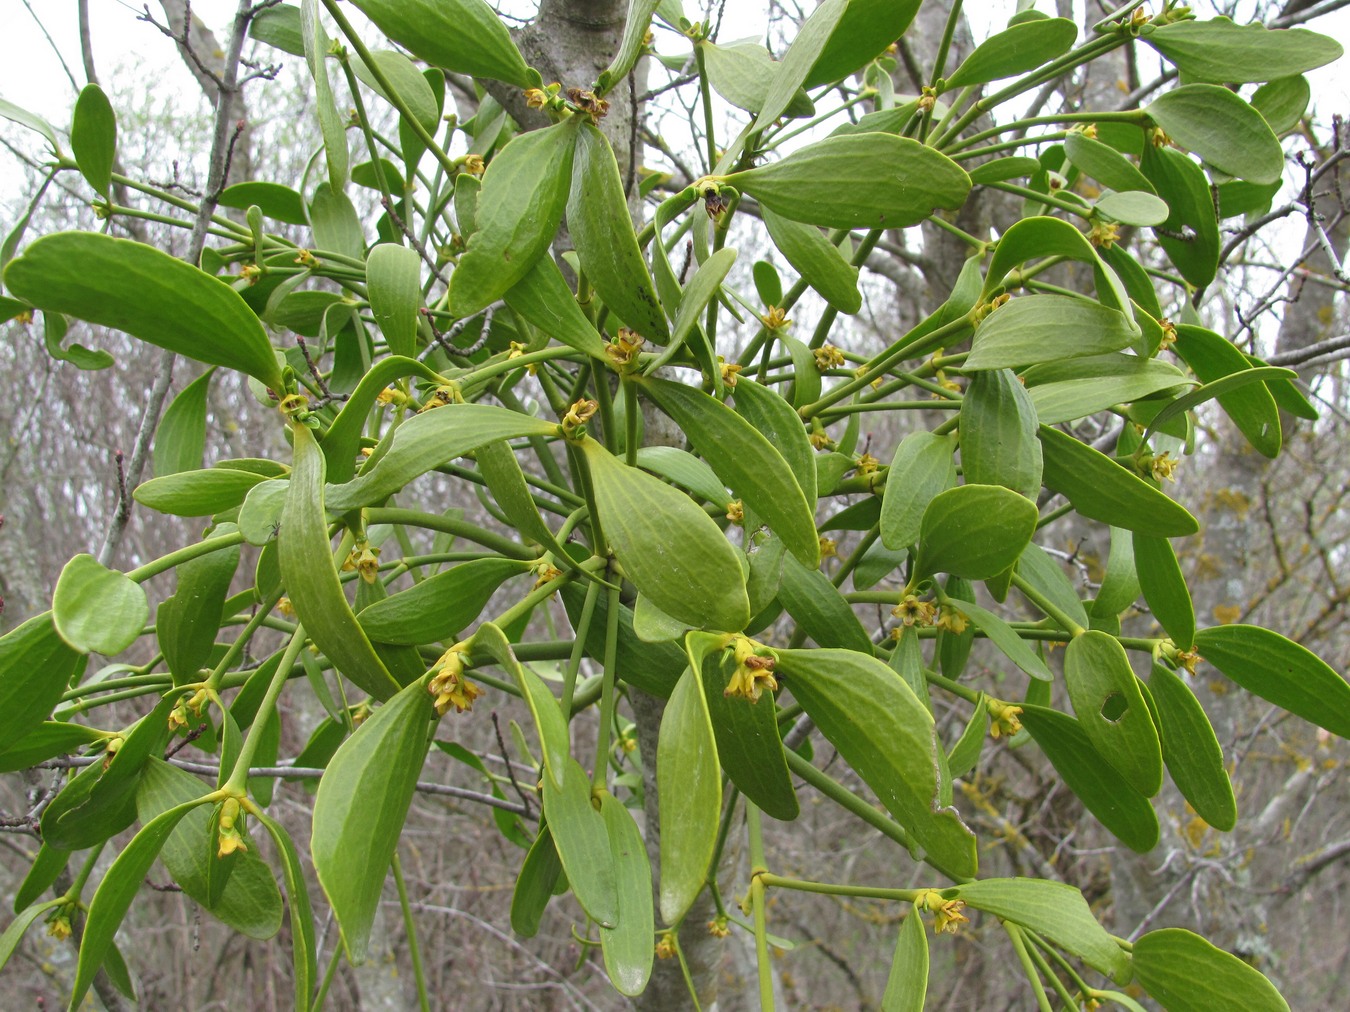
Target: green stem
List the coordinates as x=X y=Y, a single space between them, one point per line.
x=450 y=525
x=166 y=562
x=583 y=629
x=835 y=889
x=410 y=928
x=1046 y=605
x=757 y=868
x=237 y=785
x=328 y=975
x=847 y=800
x=77 y=887
x=1015 y=933
x=607 y=692
x=256 y=621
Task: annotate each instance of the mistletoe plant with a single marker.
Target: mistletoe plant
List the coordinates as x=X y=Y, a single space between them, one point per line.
x=469 y=343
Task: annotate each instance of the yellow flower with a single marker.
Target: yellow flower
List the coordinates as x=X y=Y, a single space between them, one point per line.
x=623 y=349
x=820 y=440
x=868 y=464
x=535 y=98
x=364 y=560
x=912 y=611
x=1187 y=659
x=58 y=925
x=1169 y=333
x=1104 y=234
x=285 y=607
x=545 y=573
x=730 y=370
x=952 y=620
x=577 y=416
x=927 y=99
x=449 y=686
x=665 y=946
x=306 y=257
x=776 y=318
x=753 y=674
x=718 y=928
x=178 y=720
x=1003 y=718
x=828 y=357
x=1164 y=467
x=440 y=397
x=828 y=547
x=736 y=511
x=474 y=165
x=229 y=838
x=946 y=913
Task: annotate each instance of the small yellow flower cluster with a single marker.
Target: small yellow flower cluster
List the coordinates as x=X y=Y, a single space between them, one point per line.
x=1169 y=333
x=953 y=621
x=829 y=548
x=518 y=349
x=776 y=318
x=588 y=102
x=828 y=357
x=307 y=258
x=927 y=99
x=58 y=923
x=1163 y=467
x=1004 y=718
x=474 y=165
x=449 y=686
x=868 y=464
x=364 y=560
x=623 y=350
x=665 y=945
x=440 y=397
x=718 y=926
x=946 y=913
x=730 y=370
x=1104 y=234
x=229 y=838
x=911 y=611
x=577 y=416
x=545 y=573
x=753 y=674
x=736 y=511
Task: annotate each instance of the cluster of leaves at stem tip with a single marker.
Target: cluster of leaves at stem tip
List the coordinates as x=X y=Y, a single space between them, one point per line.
x=449 y=347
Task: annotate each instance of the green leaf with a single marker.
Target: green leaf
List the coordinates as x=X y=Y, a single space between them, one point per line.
x=1283 y=102
x=1222 y=52
x=998 y=434
x=543 y=299
x=1055 y=910
x=427 y=441
x=602 y=231
x=311 y=578
x=524 y=192
x=463 y=36
x=965 y=754
x=250 y=903
x=774 y=418
x=332 y=125
x=884 y=732
x=630 y=46
x=335 y=223
x=582 y=838
x=279 y=27
x=534 y=885
x=17 y=928
x=702 y=289
x=689 y=785
x=863 y=32
x=799 y=60
x=974 y=531
x=306 y=972
x=1101 y=489
x=1015 y=50
x=1248 y=403
x=394 y=284
x=1120 y=585
x=46 y=741
x=744 y=460
x=1184 y=186
x=1043 y=236
x=1111 y=710
x=180 y=439
x=684 y=469
x=1164 y=588
x=32 y=121
x=1279 y=671
x=869 y=180
x=1125 y=812
x=544 y=708
x=441 y=606
x=186 y=624
x=671 y=550
x=1222 y=129
x=628 y=947
x=96 y=609
x=1191 y=750
x=1185 y=973
x=1076 y=388
x=1047 y=328
x=36 y=665
x=115 y=893
x=1000 y=170
x=1133 y=207
x=408 y=83
x=360 y=808
x=1046 y=575
x=1003 y=637
x=1104 y=163
x=922 y=468
x=749 y=745
x=197 y=493
x=907 y=985
x=148 y=294
x=817 y=260
x=93 y=138
x=54 y=327
x=652 y=667
x=274 y=200
x=819 y=609
x=743 y=73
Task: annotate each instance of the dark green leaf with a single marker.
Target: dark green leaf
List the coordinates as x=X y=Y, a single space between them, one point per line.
x=361 y=806
x=1111 y=710
x=279 y=27
x=273 y=199
x=1250 y=405
x=974 y=531
x=186 y=623
x=148 y=294
x=870 y=180
x=464 y=36
x=534 y=885
x=1164 y=588
x=1107 y=795
x=93 y=138
x=1104 y=163
x=441 y=606
x=1190 y=235
x=1185 y=973
x=543 y=299
x=1047 y=328
x=1015 y=50
x=965 y=754
x=35 y=669
x=884 y=732
x=1222 y=129
x=46 y=741
x=799 y=60
x=862 y=33
x=817 y=260
x=1006 y=639
x=819 y=609
x=774 y=418
x=998 y=434
x=1191 y=750
x=1280 y=671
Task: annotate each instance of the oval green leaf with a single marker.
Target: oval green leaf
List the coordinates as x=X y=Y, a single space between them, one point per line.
x=1222 y=129
x=93 y=138
x=1111 y=709
x=924 y=465
x=1185 y=973
x=1191 y=751
x=582 y=838
x=1190 y=235
x=689 y=785
x=628 y=947
x=998 y=434
x=1015 y=50
x=36 y=665
x=1047 y=328
x=186 y=624
x=974 y=531
x=464 y=36
x=394 y=287
x=1221 y=52
x=441 y=606
x=96 y=609
x=1164 y=588
x=816 y=259
x=907 y=985
x=861 y=34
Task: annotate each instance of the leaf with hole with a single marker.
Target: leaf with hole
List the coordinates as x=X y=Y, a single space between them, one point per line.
x=1111 y=709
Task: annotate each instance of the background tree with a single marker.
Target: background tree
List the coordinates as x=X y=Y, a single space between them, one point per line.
x=350 y=316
